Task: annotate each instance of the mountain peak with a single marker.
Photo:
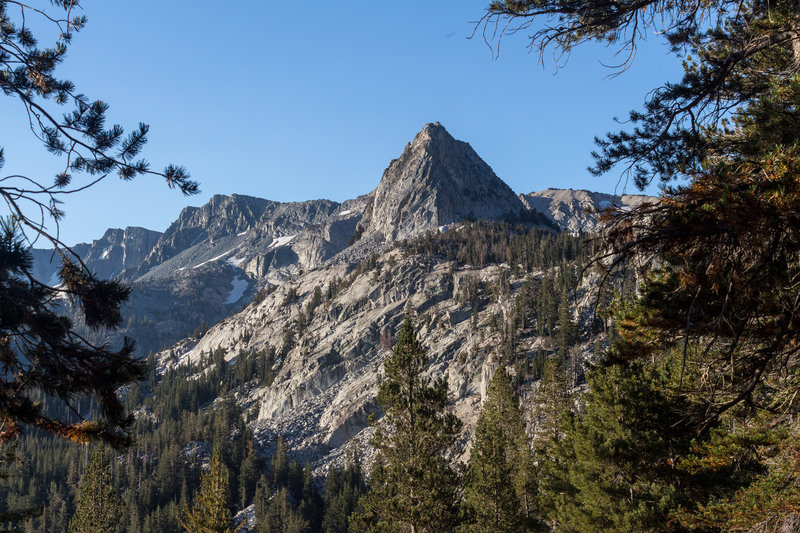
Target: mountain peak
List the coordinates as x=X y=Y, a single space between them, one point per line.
x=436 y=181
x=434 y=139
x=433 y=131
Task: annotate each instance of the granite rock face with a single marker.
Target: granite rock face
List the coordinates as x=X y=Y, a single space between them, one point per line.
x=436 y=181
x=326 y=384
x=222 y=216
x=577 y=211
x=114 y=255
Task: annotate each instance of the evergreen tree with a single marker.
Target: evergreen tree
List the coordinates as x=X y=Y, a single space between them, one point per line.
x=551 y=405
x=412 y=487
x=498 y=495
x=615 y=469
x=343 y=489
x=210 y=513
x=311 y=504
x=40 y=349
x=249 y=473
x=724 y=247
x=98 y=507
x=567 y=334
x=280 y=465
x=281 y=517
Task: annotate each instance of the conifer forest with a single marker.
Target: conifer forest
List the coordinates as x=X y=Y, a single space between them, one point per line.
x=441 y=354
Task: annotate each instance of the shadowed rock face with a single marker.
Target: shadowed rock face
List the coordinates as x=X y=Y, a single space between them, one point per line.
x=435 y=182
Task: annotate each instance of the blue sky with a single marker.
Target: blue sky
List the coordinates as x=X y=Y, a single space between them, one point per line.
x=299 y=100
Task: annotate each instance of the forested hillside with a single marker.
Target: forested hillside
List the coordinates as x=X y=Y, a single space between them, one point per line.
x=520 y=318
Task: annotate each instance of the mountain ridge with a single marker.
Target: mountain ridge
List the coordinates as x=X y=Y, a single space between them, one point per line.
x=214 y=258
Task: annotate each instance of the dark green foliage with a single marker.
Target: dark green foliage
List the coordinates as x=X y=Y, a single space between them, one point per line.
x=249 y=474
x=481 y=243
x=41 y=353
x=499 y=494
x=413 y=487
x=343 y=489
x=551 y=405
x=41 y=350
x=615 y=468
x=98 y=507
x=287 y=500
x=723 y=248
x=281 y=517
x=159 y=474
x=734 y=51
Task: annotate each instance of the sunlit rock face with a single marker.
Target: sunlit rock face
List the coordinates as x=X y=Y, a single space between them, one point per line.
x=437 y=181
x=577 y=210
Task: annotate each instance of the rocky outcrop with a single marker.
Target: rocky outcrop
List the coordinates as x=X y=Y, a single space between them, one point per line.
x=222 y=216
x=120 y=251
x=577 y=211
x=113 y=256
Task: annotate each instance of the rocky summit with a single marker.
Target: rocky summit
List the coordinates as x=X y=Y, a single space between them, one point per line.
x=436 y=181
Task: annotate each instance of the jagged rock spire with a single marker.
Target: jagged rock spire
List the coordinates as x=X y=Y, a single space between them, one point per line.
x=437 y=180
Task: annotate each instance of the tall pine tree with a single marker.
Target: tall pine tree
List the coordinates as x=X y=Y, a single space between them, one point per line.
x=98 y=508
x=499 y=492
x=210 y=513
x=615 y=469
x=413 y=487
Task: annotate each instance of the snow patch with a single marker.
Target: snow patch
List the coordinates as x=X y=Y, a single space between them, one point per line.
x=242 y=233
x=106 y=253
x=220 y=256
x=281 y=241
x=239 y=286
x=343 y=213
x=235 y=261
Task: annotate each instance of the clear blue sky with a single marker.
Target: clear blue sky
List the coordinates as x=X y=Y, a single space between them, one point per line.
x=299 y=100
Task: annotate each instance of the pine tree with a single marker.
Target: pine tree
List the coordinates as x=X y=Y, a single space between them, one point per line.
x=412 y=487
x=567 y=333
x=615 y=469
x=280 y=465
x=98 y=507
x=343 y=489
x=249 y=473
x=723 y=247
x=311 y=504
x=280 y=517
x=498 y=496
x=209 y=512
x=41 y=351
x=551 y=404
